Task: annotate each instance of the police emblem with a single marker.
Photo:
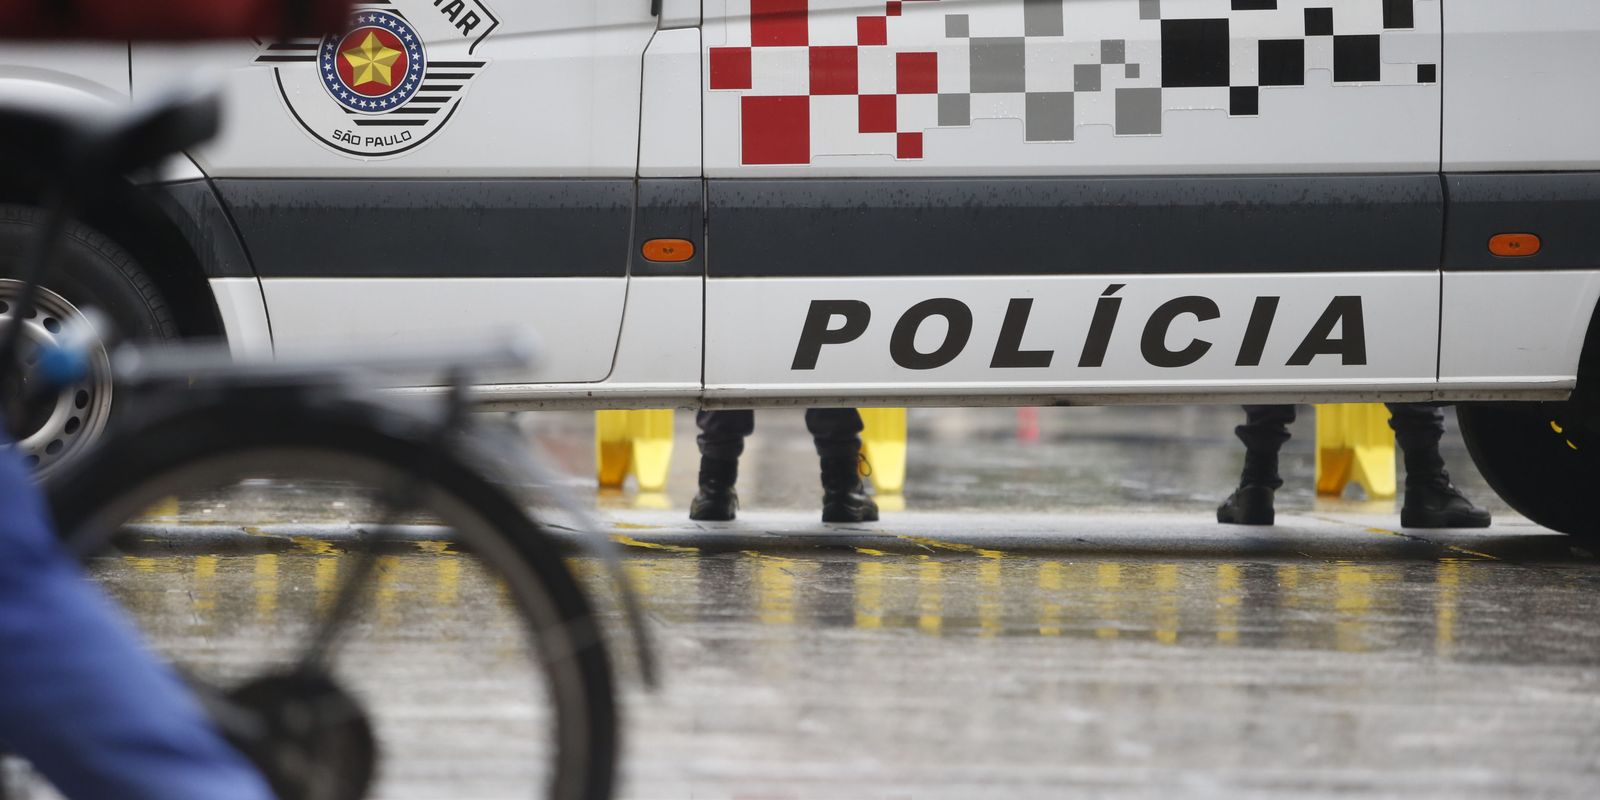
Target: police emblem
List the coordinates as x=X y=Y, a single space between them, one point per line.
x=376 y=66
x=381 y=95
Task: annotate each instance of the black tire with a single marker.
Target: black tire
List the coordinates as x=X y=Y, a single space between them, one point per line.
x=93 y=272
x=1540 y=458
x=90 y=271
x=148 y=459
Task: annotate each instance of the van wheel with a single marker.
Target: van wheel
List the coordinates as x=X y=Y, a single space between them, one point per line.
x=1541 y=458
x=90 y=271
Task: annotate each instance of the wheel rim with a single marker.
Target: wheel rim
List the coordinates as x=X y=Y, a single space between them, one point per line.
x=568 y=771
x=55 y=427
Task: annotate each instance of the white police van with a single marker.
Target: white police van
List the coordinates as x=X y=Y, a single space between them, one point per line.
x=758 y=202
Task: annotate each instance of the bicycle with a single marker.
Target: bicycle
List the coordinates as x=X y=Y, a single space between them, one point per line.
x=189 y=417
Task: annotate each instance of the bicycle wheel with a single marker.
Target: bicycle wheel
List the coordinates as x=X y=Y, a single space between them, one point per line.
x=561 y=737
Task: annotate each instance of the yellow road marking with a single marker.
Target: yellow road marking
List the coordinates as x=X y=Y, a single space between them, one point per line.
x=1450 y=547
x=321 y=547
x=629 y=541
x=935 y=544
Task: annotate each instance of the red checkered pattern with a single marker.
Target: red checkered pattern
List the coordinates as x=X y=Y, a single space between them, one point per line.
x=775 y=127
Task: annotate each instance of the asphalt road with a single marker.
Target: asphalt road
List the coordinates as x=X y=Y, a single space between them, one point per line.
x=1050 y=618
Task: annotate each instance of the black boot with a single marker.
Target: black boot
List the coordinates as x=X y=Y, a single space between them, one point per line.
x=1431 y=500
x=1434 y=502
x=1263 y=433
x=1250 y=504
x=716 y=501
x=844 y=497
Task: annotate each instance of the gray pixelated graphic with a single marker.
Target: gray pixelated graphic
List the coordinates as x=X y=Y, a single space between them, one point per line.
x=1049 y=117
x=1139 y=112
x=955 y=110
x=1042 y=18
x=1195 y=53
x=1086 y=78
x=998 y=64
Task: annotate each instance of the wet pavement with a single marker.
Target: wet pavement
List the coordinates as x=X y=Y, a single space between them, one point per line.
x=1055 y=616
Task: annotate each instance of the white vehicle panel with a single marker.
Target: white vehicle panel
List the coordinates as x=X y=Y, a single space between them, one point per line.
x=557 y=94
x=669 y=137
x=658 y=356
x=1515 y=327
x=64 y=73
x=661 y=330
x=754 y=327
x=244 y=315
x=1519 y=91
x=680 y=14
x=572 y=317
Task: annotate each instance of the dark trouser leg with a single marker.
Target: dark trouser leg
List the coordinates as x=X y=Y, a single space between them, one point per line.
x=1431 y=500
x=1264 y=431
x=835 y=431
x=837 y=435
x=721 y=441
x=722 y=433
x=1418 y=429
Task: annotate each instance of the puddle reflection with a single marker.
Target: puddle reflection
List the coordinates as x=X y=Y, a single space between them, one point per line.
x=1343 y=606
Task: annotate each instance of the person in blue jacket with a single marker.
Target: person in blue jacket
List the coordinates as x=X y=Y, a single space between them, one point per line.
x=95 y=713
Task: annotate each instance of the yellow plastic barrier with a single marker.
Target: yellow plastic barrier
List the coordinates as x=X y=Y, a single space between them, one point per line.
x=883 y=441
x=1355 y=443
x=611 y=457
x=637 y=443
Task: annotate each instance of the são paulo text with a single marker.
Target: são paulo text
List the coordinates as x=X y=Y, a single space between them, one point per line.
x=353 y=138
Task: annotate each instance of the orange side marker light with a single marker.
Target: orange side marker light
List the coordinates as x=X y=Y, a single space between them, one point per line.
x=1514 y=245
x=668 y=250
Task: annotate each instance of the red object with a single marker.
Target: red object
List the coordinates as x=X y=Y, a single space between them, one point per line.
x=775 y=130
x=730 y=67
x=1028 y=425
x=833 y=70
x=892 y=8
x=876 y=113
x=170 y=19
x=778 y=23
x=908 y=145
x=872 y=30
x=916 y=73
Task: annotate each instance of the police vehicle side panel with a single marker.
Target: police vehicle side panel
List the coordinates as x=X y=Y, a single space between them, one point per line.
x=658 y=358
x=659 y=355
x=1521 y=154
x=1096 y=200
x=65 y=76
x=481 y=178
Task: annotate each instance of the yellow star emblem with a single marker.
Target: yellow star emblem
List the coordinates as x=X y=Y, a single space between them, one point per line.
x=372 y=62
